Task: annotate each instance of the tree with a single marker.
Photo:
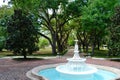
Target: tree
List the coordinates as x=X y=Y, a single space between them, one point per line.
x=2 y=38
x=22 y=35
x=114 y=42
x=5 y=13
x=96 y=18
x=54 y=16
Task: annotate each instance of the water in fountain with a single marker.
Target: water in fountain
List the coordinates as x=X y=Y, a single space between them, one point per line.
x=76 y=65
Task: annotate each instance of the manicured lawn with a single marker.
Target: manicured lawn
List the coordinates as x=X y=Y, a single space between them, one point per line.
x=5 y=53
x=103 y=54
x=41 y=52
x=48 y=52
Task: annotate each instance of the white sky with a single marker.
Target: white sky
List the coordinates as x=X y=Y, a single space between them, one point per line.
x=6 y=2
x=3 y=3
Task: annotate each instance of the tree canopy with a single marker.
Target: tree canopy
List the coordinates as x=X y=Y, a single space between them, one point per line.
x=96 y=18
x=89 y=20
x=114 y=42
x=54 y=16
x=22 y=34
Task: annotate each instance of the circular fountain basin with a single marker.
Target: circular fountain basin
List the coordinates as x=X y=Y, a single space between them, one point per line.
x=52 y=74
x=48 y=72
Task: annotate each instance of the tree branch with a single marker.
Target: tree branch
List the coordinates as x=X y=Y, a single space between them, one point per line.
x=45 y=37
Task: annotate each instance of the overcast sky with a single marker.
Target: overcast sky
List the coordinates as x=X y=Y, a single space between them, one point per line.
x=3 y=3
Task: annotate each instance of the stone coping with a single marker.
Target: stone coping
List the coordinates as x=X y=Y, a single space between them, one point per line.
x=33 y=74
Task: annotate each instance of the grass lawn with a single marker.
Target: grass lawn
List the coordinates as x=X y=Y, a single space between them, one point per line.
x=41 y=52
x=6 y=53
x=48 y=52
x=103 y=54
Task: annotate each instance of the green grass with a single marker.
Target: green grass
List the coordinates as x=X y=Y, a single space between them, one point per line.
x=48 y=52
x=102 y=54
x=6 y=53
x=41 y=52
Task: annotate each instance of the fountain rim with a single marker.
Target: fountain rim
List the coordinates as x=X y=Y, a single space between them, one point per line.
x=33 y=73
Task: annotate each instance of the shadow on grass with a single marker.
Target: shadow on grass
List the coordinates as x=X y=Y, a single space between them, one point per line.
x=116 y=60
x=43 y=54
x=27 y=59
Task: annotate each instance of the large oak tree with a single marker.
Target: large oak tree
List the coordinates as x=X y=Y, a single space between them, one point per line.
x=54 y=15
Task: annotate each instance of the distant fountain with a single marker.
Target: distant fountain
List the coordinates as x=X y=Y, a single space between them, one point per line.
x=76 y=65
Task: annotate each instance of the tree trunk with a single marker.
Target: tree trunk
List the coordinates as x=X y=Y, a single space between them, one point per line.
x=93 y=48
x=52 y=42
x=25 y=57
x=59 y=45
x=98 y=44
x=60 y=48
x=0 y=49
x=86 y=48
x=83 y=45
x=54 y=52
x=24 y=54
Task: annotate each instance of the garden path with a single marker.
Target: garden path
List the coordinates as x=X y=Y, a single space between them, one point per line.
x=16 y=70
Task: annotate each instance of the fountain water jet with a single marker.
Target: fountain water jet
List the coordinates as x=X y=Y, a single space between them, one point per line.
x=76 y=65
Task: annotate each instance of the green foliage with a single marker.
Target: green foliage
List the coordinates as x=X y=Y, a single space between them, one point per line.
x=5 y=12
x=96 y=14
x=95 y=19
x=74 y=8
x=52 y=4
x=25 y=6
x=22 y=35
x=54 y=16
x=2 y=38
x=71 y=41
x=43 y=43
x=114 y=43
x=1 y=43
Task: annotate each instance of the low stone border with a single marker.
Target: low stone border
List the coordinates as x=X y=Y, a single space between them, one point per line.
x=33 y=74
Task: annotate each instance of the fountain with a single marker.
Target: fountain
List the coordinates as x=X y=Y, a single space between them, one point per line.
x=74 y=69
x=76 y=65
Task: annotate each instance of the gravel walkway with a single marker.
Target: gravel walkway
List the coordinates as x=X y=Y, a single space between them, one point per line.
x=16 y=70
